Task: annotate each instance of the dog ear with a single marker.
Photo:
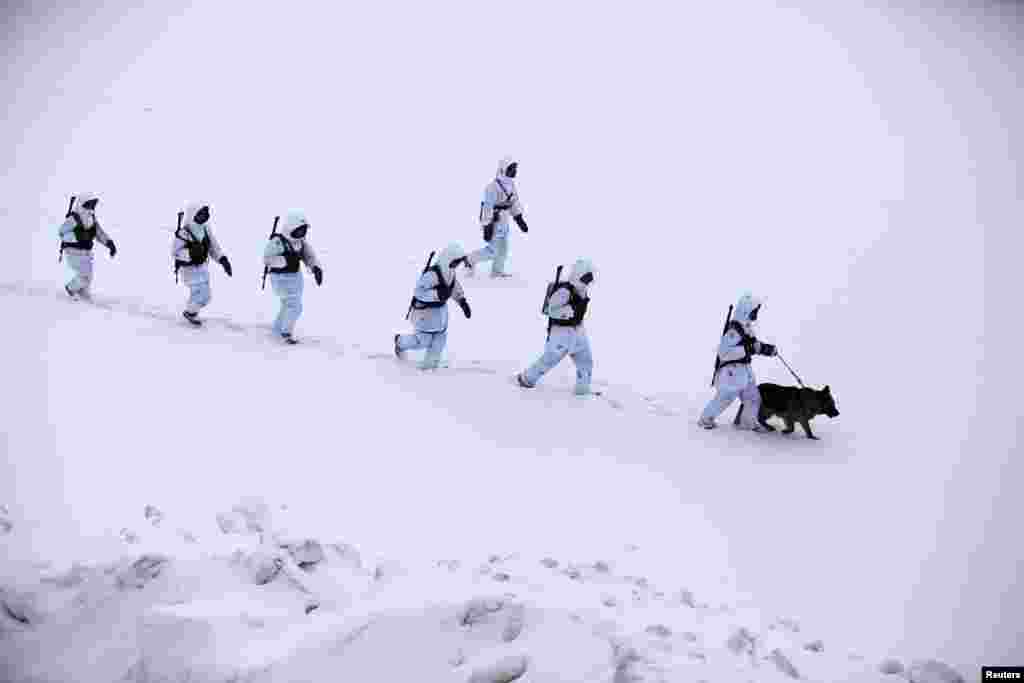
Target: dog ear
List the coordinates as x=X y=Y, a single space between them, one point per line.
x=827 y=390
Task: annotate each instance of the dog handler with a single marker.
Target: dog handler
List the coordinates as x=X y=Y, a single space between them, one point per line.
x=734 y=377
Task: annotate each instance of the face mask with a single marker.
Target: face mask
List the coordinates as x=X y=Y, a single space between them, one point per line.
x=455 y=264
x=90 y=205
x=202 y=215
x=587 y=278
x=753 y=313
x=512 y=169
x=300 y=232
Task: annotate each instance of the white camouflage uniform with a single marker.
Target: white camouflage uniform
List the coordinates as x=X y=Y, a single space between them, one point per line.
x=566 y=340
x=80 y=260
x=737 y=380
x=430 y=325
x=195 y=277
x=289 y=286
x=500 y=203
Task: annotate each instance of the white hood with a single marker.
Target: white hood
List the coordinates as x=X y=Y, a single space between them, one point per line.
x=503 y=168
x=191 y=209
x=579 y=269
x=744 y=308
x=188 y=223
x=291 y=220
x=443 y=260
x=87 y=216
x=80 y=199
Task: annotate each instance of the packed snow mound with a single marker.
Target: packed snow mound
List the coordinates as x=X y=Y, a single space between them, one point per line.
x=260 y=601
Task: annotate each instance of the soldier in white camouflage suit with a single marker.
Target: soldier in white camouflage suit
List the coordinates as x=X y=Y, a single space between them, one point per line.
x=79 y=231
x=193 y=247
x=429 y=308
x=500 y=201
x=734 y=377
x=282 y=256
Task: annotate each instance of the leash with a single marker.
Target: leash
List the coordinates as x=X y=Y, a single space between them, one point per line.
x=790 y=369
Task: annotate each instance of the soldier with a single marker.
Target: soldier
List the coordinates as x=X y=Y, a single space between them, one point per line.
x=734 y=377
x=78 y=232
x=192 y=248
x=282 y=256
x=500 y=201
x=566 y=306
x=428 y=311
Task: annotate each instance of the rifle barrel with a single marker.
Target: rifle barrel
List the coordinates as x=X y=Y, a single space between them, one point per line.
x=266 y=269
x=725 y=328
x=412 y=301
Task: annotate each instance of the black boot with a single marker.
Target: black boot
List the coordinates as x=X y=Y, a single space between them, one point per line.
x=193 y=318
x=287 y=338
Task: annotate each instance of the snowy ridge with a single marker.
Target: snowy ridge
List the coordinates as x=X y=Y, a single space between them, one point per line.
x=260 y=602
x=617 y=397
x=263 y=595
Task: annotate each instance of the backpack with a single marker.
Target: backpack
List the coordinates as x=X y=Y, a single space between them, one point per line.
x=578 y=303
x=198 y=251
x=291 y=256
x=443 y=289
x=552 y=286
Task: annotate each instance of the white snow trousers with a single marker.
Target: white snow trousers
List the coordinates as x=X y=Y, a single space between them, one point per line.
x=198 y=297
x=433 y=342
x=565 y=341
x=732 y=382
x=496 y=250
x=80 y=264
x=197 y=279
x=288 y=287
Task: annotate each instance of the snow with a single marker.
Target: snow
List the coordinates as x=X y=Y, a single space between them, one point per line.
x=857 y=168
x=200 y=612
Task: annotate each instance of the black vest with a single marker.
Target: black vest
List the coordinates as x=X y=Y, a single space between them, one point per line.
x=745 y=340
x=578 y=304
x=198 y=251
x=291 y=257
x=444 y=291
x=84 y=236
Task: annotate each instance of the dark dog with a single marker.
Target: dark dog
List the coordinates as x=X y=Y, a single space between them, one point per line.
x=793 y=405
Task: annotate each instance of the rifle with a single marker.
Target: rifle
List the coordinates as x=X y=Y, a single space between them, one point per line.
x=181 y=214
x=725 y=328
x=550 y=288
x=266 y=269
x=71 y=204
x=547 y=295
x=413 y=300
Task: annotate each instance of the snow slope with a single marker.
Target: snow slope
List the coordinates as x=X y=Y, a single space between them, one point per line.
x=260 y=603
x=866 y=161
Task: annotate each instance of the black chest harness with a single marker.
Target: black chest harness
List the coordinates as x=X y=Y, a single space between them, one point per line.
x=746 y=341
x=84 y=236
x=291 y=257
x=578 y=304
x=198 y=250
x=444 y=291
x=505 y=205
